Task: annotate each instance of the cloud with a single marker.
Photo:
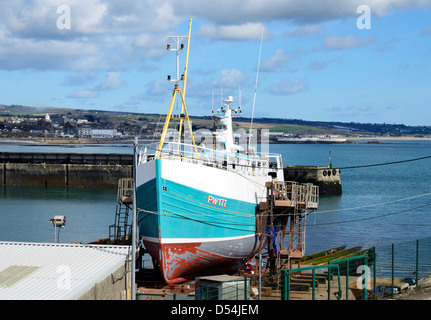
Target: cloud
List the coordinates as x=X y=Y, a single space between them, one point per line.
x=79 y=78
x=388 y=45
x=302 y=12
x=246 y=31
x=350 y=112
x=347 y=42
x=112 y=34
x=148 y=45
x=111 y=81
x=287 y=86
x=321 y=64
x=47 y=54
x=426 y=32
x=228 y=80
x=392 y=107
x=83 y=94
x=232 y=78
x=303 y=31
x=103 y=33
x=318 y=65
x=279 y=60
x=157 y=89
x=38 y=19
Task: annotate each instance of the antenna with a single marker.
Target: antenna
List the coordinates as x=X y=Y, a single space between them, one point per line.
x=255 y=89
x=212 y=102
x=176 y=91
x=179 y=47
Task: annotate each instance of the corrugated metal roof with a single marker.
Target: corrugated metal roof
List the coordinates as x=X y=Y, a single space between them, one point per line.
x=60 y=271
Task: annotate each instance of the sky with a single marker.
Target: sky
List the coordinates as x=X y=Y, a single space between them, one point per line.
x=364 y=61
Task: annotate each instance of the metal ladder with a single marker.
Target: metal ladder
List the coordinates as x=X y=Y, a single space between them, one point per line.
x=120 y=230
x=287 y=206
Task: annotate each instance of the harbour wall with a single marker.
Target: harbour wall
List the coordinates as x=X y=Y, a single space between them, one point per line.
x=105 y=169
x=59 y=175
x=61 y=169
x=327 y=179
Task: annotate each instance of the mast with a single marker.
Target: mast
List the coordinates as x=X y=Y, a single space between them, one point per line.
x=184 y=92
x=255 y=89
x=177 y=90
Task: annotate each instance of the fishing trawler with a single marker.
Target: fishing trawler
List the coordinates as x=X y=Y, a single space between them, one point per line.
x=197 y=204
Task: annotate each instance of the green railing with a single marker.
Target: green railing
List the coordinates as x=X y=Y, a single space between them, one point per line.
x=226 y=290
x=381 y=272
x=286 y=276
x=346 y=265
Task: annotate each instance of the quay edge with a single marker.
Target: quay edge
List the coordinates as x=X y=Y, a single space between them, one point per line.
x=326 y=178
x=104 y=170
x=64 y=169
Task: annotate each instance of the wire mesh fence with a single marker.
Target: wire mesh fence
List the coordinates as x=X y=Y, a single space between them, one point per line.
x=377 y=273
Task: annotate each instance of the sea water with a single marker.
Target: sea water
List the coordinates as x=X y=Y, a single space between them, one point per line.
x=379 y=205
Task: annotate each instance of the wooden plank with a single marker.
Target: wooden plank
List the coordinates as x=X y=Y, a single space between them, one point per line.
x=283 y=203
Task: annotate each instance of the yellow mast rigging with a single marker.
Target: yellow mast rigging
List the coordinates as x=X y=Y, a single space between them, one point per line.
x=184 y=114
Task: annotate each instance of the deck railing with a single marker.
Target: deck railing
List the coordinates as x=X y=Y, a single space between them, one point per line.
x=254 y=163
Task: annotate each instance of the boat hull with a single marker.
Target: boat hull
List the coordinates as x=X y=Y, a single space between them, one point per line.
x=197 y=220
x=180 y=262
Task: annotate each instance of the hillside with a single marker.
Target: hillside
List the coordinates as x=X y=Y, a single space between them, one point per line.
x=286 y=126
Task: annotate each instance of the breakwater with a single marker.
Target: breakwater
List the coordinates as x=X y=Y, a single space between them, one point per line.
x=64 y=169
x=105 y=169
x=327 y=179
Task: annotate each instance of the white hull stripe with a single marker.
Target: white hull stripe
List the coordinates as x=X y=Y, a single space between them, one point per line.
x=193 y=240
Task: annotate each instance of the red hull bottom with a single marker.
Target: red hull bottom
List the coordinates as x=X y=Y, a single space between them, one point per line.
x=180 y=262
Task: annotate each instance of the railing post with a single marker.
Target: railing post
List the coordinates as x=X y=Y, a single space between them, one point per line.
x=314 y=284
x=374 y=274
x=366 y=279
x=393 y=270
x=347 y=279
x=417 y=261
x=285 y=284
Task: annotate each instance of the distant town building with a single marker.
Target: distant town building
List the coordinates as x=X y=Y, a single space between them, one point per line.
x=87 y=132
x=272 y=134
x=47 y=118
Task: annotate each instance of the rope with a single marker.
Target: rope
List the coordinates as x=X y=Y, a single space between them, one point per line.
x=385 y=163
x=220 y=222
x=376 y=204
x=370 y=218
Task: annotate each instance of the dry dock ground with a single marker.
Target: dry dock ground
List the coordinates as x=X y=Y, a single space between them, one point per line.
x=421 y=294
x=321 y=292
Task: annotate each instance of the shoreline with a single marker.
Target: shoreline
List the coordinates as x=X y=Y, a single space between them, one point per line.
x=84 y=141
x=390 y=138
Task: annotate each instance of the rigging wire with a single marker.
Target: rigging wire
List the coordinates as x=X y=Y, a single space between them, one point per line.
x=370 y=218
x=220 y=224
x=344 y=168
x=179 y=216
x=352 y=208
x=255 y=88
x=384 y=163
x=375 y=204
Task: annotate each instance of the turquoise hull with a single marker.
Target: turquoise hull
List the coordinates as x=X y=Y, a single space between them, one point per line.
x=189 y=231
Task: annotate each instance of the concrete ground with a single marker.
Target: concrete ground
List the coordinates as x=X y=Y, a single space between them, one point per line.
x=421 y=294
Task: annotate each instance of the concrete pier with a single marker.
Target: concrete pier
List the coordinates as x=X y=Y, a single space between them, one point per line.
x=105 y=169
x=63 y=169
x=327 y=179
